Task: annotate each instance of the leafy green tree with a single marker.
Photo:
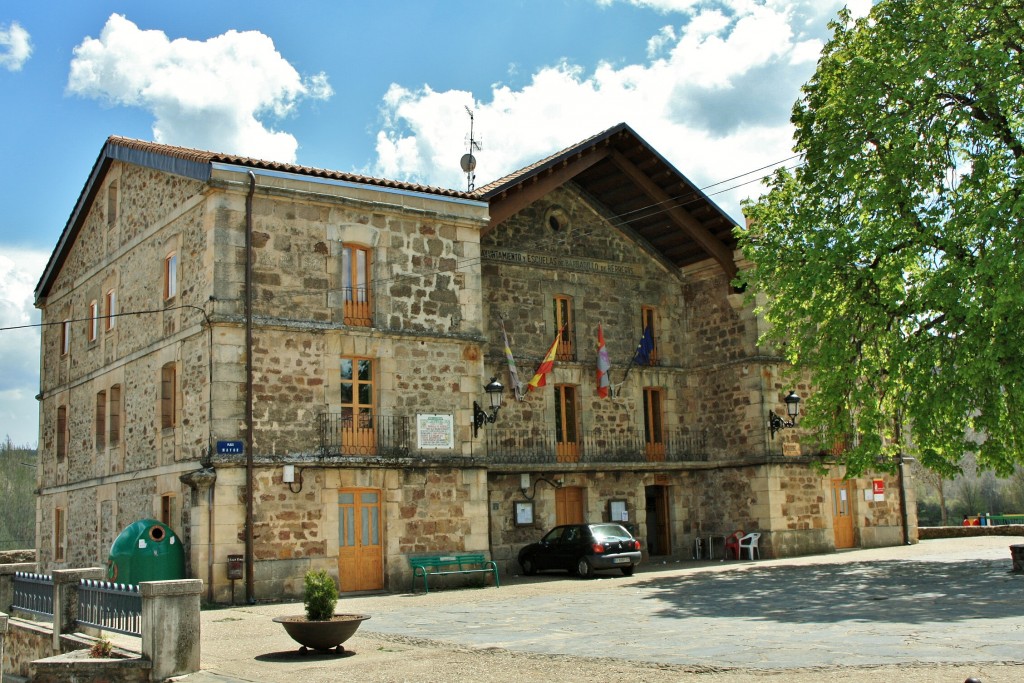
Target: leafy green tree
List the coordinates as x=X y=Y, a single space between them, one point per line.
x=17 y=493
x=892 y=259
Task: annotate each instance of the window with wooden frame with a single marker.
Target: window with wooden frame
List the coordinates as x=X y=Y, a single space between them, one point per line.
x=170 y=276
x=567 y=442
x=62 y=432
x=565 y=324
x=110 y=301
x=357 y=400
x=112 y=203
x=58 y=534
x=94 y=320
x=356 y=262
x=65 y=337
x=168 y=509
x=114 y=414
x=654 y=432
x=649 y=319
x=100 y=424
x=168 y=396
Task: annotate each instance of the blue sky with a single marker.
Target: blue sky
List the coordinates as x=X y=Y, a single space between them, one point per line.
x=379 y=88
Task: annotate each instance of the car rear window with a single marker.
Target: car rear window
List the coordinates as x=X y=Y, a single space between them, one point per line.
x=610 y=531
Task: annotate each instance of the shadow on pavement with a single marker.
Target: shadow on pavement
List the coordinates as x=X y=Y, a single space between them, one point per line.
x=889 y=591
x=308 y=656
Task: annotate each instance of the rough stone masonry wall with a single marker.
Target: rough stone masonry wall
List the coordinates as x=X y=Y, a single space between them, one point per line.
x=157 y=213
x=424 y=307
x=521 y=294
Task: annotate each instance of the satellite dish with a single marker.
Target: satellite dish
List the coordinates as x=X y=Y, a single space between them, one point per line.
x=468 y=163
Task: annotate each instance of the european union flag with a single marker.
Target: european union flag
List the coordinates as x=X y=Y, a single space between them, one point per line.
x=645 y=348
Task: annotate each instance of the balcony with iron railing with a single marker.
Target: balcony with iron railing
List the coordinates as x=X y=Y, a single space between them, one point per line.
x=536 y=446
x=365 y=435
x=376 y=435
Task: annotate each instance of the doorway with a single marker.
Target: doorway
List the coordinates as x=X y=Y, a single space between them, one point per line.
x=659 y=541
x=569 y=505
x=842 y=513
x=360 y=551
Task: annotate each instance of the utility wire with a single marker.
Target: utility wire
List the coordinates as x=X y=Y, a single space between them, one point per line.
x=680 y=201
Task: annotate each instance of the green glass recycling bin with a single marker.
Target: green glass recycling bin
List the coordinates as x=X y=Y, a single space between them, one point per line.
x=147 y=550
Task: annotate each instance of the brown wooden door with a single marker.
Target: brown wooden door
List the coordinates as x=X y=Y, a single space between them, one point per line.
x=360 y=550
x=569 y=505
x=653 y=427
x=842 y=513
x=567 y=444
x=657 y=505
x=358 y=433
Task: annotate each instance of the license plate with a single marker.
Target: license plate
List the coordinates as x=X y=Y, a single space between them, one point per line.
x=621 y=560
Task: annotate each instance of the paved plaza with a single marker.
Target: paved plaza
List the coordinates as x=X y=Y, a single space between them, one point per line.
x=949 y=601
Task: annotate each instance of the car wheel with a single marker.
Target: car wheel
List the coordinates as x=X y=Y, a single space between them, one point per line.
x=584 y=569
x=529 y=568
x=628 y=571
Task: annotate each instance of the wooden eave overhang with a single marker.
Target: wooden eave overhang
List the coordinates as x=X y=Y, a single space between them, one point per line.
x=637 y=186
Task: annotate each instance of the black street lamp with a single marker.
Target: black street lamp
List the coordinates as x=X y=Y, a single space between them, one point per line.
x=494 y=391
x=776 y=423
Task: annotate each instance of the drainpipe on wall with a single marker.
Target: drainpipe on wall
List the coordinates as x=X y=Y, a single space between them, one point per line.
x=249 y=596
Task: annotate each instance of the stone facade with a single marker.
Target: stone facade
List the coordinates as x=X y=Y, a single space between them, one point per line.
x=384 y=463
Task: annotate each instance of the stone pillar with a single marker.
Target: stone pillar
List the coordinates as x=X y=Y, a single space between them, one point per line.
x=3 y=633
x=65 y=599
x=170 y=626
x=7 y=572
x=1017 y=557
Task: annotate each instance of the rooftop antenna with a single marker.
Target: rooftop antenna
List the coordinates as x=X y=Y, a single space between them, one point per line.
x=468 y=161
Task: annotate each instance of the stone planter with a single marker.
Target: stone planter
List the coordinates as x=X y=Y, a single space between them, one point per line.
x=321 y=635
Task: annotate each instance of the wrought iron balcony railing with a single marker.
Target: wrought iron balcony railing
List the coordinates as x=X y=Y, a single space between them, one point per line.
x=364 y=434
x=523 y=445
x=371 y=434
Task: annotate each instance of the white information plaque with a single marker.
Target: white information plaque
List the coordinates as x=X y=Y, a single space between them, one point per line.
x=435 y=432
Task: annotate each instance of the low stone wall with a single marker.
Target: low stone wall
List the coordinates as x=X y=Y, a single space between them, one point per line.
x=17 y=556
x=169 y=628
x=929 y=532
x=78 y=665
x=23 y=642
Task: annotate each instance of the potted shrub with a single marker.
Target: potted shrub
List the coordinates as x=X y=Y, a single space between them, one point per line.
x=320 y=628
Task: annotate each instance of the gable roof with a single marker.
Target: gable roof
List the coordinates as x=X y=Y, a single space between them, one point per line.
x=618 y=169
x=198 y=165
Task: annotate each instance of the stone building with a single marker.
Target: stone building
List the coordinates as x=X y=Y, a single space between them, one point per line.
x=349 y=325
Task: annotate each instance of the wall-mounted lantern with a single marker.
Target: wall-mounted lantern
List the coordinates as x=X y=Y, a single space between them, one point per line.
x=494 y=391
x=776 y=423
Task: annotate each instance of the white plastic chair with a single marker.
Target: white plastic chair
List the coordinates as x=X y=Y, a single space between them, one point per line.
x=749 y=543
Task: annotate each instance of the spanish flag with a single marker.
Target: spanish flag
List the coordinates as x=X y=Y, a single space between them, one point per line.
x=540 y=377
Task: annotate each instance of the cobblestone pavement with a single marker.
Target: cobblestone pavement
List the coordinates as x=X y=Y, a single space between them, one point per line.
x=938 y=608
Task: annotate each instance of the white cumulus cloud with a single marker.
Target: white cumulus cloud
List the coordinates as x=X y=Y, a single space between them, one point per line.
x=714 y=97
x=19 y=347
x=15 y=46
x=212 y=94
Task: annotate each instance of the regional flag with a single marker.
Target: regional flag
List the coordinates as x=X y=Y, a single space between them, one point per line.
x=540 y=377
x=603 y=365
x=513 y=372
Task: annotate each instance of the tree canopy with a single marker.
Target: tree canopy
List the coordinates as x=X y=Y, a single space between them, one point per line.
x=892 y=258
